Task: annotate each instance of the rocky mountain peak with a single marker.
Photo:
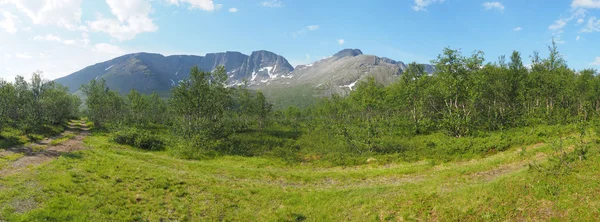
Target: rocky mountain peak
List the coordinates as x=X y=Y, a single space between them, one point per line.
x=348 y=53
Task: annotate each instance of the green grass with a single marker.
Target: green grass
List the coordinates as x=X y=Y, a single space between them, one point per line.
x=6 y=159
x=115 y=182
x=62 y=139
x=10 y=137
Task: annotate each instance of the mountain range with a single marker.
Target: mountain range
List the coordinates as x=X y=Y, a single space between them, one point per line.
x=261 y=70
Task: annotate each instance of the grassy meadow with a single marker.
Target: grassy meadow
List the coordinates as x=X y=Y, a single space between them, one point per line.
x=108 y=182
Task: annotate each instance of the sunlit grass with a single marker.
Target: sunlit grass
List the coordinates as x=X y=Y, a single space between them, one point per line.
x=114 y=182
x=65 y=137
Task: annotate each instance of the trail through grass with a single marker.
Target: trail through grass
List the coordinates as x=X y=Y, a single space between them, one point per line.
x=114 y=182
x=17 y=158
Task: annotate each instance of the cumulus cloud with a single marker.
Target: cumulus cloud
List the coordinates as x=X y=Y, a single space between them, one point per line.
x=233 y=10
x=272 y=3
x=132 y=19
x=517 y=29
x=493 y=5
x=585 y=4
x=62 y=13
x=8 y=24
x=421 y=5
x=596 y=62
x=341 y=41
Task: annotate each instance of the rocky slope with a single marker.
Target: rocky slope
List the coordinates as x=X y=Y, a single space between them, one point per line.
x=147 y=72
x=262 y=70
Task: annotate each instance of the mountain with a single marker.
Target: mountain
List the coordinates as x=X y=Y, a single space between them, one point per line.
x=148 y=72
x=338 y=74
x=262 y=70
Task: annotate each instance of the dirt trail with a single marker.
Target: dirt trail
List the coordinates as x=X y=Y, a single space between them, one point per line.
x=41 y=152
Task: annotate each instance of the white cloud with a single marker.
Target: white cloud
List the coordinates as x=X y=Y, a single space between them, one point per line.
x=421 y=5
x=559 y=24
x=233 y=10
x=23 y=55
x=124 y=10
x=132 y=19
x=585 y=4
x=493 y=5
x=517 y=29
x=83 y=42
x=305 y=30
x=341 y=41
x=62 y=13
x=206 y=5
x=108 y=48
x=48 y=37
x=593 y=25
x=272 y=3
x=596 y=62
x=8 y=23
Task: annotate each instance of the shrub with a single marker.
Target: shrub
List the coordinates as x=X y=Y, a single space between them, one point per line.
x=138 y=138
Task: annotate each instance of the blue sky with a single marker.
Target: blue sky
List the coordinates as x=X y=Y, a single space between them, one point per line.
x=63 y=36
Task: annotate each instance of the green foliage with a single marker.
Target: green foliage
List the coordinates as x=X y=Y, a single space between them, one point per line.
x=466 y=109
x=105 y=108
x=36 y=107
x=142 y=139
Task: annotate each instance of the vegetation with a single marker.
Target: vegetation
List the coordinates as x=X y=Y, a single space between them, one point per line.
x=114 y=182
x=466 y=109
x=474 y=141
x=31 y=110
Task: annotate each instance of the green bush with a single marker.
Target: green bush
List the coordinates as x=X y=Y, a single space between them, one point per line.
x=138 y=138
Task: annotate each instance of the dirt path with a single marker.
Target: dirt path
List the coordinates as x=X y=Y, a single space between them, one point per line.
x=43 y=151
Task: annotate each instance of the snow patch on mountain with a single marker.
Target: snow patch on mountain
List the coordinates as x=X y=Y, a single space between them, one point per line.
x=351 y=85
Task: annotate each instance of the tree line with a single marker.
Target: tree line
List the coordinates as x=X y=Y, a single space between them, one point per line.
x=465 y=97
x=36 y=106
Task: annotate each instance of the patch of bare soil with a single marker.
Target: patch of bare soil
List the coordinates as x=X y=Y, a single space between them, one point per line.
x=34 y=156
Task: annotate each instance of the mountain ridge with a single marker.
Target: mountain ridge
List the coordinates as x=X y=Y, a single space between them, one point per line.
x=261 y=70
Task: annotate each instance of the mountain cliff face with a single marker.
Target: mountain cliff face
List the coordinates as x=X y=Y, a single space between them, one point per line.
x=147 y=72
x=261 y=70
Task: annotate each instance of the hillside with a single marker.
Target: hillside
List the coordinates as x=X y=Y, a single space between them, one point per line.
x=147 y=72
x=262 y=70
